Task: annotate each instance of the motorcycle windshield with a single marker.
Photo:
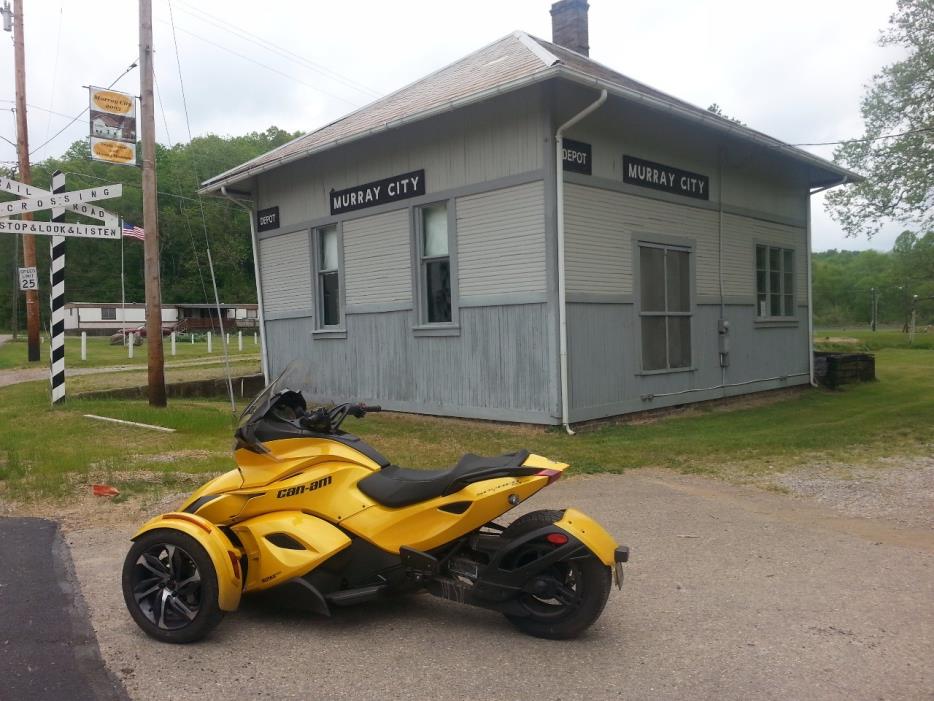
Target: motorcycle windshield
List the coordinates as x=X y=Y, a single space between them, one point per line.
x=257 y=409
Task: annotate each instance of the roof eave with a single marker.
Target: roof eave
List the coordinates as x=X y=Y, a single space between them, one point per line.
x=214 y=185
x=717 y=123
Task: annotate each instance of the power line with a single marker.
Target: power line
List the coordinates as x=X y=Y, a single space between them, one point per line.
x=41 y=109
x=267 y=67
x=922 y=130
x=81 y=113
x=253 y=38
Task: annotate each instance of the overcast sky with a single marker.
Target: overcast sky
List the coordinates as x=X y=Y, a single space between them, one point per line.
x=794 y=69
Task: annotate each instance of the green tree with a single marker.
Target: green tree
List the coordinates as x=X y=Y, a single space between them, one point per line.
x=896 y=153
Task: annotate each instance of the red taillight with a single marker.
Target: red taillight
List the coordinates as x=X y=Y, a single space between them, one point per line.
x=556 y=538
x=552 y=475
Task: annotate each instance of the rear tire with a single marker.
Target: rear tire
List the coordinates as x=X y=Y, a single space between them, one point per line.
x=170 y=587
x=585 y=586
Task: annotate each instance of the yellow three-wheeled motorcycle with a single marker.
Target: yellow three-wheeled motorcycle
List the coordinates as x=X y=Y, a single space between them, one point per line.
x=317 y=512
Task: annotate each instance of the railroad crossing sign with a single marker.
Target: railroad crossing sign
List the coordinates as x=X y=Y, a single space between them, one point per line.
x=33 y=199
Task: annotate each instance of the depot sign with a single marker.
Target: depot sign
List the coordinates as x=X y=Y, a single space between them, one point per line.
x=398 y=187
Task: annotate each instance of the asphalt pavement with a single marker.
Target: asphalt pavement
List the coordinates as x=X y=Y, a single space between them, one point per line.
x=47 y=648
x=731 y=593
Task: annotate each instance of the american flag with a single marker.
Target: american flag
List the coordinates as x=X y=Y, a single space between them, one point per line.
x=133 y=232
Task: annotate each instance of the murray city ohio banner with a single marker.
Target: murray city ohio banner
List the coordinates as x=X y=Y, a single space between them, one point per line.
x=113 y=126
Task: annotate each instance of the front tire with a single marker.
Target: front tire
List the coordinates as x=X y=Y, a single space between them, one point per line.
x=170 y=587
x=579 y=588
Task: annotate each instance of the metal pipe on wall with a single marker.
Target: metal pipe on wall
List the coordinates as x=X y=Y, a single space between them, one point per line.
x=562 y=283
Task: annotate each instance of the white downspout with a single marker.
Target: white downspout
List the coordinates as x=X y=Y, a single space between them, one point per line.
x=562 y=283
x=810 y=275
x=261 y=317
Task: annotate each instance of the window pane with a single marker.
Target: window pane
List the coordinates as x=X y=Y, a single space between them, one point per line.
x=762 y=305
x=438 y=290
x=679 y=341
x=652 y=272
x=775 y=260
x=434 y=231
x=760 y=282
x=789 y=305
x=760 y=257
x=330 y=299
x=328 y=248
x=775 y=305
x=653 y=343
x=775 y=282
x=788 y=267
x=789 y=285
x=679 y=296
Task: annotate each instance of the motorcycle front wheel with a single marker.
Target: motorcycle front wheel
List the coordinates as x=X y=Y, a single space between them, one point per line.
x=170 y=587
x=573 y=594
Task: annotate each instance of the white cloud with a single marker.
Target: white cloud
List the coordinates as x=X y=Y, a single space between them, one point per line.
x=795 y=70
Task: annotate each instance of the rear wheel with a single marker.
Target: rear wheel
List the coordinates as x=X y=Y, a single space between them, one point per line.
x=569 y=596
x=170 y=587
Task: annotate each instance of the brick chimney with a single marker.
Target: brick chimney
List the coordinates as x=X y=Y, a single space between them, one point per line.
x=569 y=25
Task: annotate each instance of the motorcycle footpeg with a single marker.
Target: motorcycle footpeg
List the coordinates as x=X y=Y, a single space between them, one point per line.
x=418 y=562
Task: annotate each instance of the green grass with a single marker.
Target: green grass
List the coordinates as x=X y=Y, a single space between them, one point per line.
x=44 y=452
x=863 y=338
x=102 y=354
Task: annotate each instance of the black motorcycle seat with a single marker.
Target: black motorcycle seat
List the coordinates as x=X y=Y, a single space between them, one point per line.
x=396 y=486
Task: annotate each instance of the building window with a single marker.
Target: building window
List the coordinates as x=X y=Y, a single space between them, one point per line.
x=328 y=266
x=665 y=284
x=434 y=264
x=109 y=313
x=775 y=282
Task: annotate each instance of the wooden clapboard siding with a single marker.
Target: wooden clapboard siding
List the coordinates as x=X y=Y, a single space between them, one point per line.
x=285 y=267
x=601 y=226
x=501 y=241
x=377 y=258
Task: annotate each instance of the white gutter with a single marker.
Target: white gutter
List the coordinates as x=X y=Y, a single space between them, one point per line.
x=562 y=282
x=264 y=356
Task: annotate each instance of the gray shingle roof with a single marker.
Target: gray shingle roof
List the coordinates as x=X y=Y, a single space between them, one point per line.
x=512 y=62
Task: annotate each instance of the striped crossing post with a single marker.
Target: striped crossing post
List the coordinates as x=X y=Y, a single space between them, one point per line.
x=57 y=298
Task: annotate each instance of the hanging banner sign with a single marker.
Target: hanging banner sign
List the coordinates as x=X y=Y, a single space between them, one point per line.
x=267 y=219
x=398 y=187
x=61 y=199
x=666 y=178
x=576 y=156
x=84 y=231
x=28 y=279
x=113 y=126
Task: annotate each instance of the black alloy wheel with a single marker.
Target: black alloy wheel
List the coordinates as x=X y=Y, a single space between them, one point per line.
x=170 y=587
x=566 y=598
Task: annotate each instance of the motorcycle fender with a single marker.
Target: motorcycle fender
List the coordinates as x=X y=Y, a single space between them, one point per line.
x=591 y=534
x=283 y=545
x=224 y=555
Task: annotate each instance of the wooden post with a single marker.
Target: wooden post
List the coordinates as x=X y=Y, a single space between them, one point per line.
x=131 y=341
x=150 y=211
x=173 y=344
x=84 y=345
x=210 y=349
x=240 y=341
x=25 y=176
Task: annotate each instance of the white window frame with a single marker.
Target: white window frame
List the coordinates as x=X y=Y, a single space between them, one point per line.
x=424 y=327
x=321 y=329
x=783 y=292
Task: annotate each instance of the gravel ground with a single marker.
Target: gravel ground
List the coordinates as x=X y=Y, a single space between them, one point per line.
x=897 y=489
x=732 y=593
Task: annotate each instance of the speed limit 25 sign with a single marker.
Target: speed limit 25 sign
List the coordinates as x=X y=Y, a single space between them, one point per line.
x=28 y=279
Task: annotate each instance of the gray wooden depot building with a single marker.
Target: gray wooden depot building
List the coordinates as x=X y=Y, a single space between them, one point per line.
x=528 y=235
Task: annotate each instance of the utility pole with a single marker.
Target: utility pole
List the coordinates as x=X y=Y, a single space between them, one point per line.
x=150 y=211
x=25 y=176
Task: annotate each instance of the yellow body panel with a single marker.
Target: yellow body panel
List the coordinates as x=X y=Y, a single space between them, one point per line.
x=591 y=534
x=424 y=526
x=217 y=545
x=270 y=564
x=291 y=455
